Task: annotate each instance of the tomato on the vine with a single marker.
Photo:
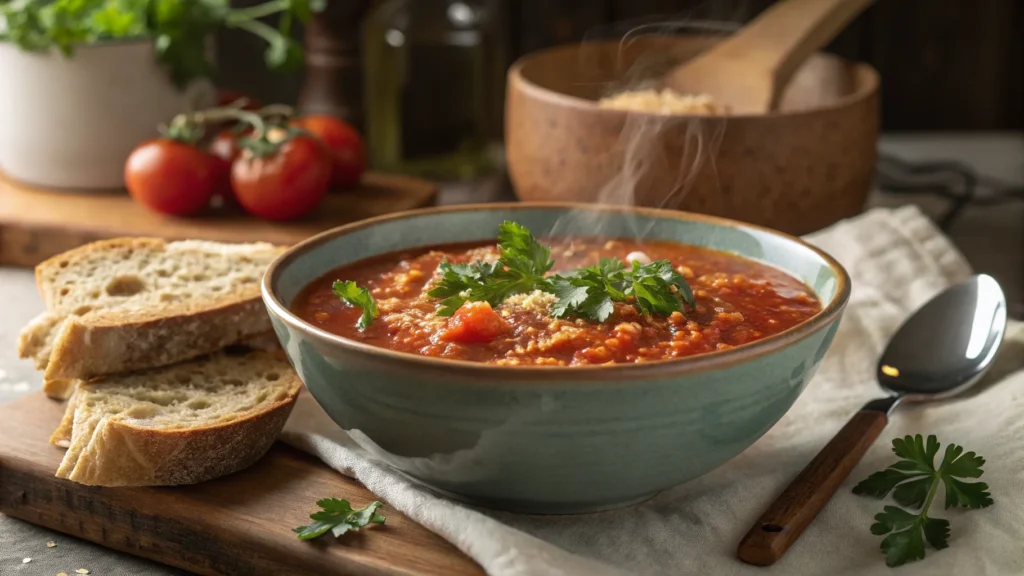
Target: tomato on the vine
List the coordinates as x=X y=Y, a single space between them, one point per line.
x=283 y=183
x=344 y=143
x=224 y=147
x=228 y=96
x=171 y=177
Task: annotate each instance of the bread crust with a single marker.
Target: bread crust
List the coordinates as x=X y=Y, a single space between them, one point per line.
x=144 y=342
x=106 y=343
x=61 y=437
x=118 y=453
x=100 y=342
x=32 y=341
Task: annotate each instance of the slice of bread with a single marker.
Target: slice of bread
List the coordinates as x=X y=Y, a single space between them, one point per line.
x=134 y=303
x=181 y=424
x=61 y=437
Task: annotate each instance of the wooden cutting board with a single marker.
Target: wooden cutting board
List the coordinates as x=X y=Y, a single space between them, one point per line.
x=36 y=224
x=237 y=525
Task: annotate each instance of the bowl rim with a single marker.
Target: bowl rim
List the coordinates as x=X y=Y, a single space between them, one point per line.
x=604 y=372
x=516 y=80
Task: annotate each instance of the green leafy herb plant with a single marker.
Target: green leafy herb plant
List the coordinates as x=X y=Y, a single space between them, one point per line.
x=179 y=29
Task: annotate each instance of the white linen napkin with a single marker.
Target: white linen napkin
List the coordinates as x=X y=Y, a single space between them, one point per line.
x=898 y=260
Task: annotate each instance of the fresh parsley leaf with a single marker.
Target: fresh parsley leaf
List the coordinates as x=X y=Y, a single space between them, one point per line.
x=905 y=542
x=654 y=288
x=353 y=295
x=914 y=482
x=936 y=532
x=520 y=267
x=955 y=465
x=457 y=283
x=338 y=517
x=590 y=292
x=521 y=252
x=570 y=297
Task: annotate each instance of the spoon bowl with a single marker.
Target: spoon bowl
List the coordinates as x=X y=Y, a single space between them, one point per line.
x=942 y=349
x=954 y=358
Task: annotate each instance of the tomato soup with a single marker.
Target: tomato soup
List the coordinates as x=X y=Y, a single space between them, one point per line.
x=735 y=301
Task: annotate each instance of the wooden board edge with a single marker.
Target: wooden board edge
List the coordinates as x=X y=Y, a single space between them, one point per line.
x=26 y=243
x=24 y=247
x=217 y=528
x=34 y=495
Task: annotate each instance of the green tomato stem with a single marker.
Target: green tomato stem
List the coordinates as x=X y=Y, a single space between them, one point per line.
x=283 y=110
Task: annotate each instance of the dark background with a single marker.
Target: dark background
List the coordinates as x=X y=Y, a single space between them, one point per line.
x=945 y=64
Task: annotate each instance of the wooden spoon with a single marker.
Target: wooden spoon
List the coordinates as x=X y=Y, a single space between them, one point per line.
x=749 y=71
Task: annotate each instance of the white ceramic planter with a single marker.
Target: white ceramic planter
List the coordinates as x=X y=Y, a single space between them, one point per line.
x=71 y=122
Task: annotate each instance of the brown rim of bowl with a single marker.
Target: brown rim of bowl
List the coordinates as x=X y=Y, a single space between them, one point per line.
x=539 y=92
x=659 y=368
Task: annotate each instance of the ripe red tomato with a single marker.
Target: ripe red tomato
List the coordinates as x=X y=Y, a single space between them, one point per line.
x=224 y=147
x=474 y=323
x=285 y=184
x=171 y=177
x=344 y=143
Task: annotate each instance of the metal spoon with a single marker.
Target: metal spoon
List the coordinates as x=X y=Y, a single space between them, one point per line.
x=941 y=350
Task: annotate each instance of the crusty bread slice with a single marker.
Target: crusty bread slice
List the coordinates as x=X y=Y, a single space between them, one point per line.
x=134 y=303
x=180 y=424
x=36 y=339
x=61 y=437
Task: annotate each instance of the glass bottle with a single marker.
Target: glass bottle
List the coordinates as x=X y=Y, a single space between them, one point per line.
x=433 y=87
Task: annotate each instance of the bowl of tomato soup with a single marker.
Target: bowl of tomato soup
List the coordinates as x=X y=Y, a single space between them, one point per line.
x=554 y=358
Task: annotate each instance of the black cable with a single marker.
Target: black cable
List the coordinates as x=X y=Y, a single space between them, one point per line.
x=951 y=180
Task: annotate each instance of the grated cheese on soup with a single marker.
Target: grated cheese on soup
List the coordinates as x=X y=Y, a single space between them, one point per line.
x=535 y=301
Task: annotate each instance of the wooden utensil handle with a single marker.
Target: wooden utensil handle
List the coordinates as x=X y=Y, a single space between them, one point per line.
x=786 y=33
x=784 y=521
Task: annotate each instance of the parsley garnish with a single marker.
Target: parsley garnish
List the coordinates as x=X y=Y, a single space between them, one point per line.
x=914 y=482
x=458 y=282
x=353 y=295
x=654 y=288
x=521 y=267
x=338 y=517
x=590 y=292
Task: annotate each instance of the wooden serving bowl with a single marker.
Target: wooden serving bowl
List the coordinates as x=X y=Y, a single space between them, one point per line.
x=796 y=170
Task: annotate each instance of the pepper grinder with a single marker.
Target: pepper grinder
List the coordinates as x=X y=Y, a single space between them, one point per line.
x=333 y=80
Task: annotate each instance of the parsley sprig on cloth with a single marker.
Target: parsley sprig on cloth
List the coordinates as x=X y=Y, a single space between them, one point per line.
x=914 y=483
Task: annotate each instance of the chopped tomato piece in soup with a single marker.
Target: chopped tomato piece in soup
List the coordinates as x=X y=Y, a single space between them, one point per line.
x=474 y=323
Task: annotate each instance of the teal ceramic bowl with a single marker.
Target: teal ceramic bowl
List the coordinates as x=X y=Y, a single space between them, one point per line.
x=553 y=439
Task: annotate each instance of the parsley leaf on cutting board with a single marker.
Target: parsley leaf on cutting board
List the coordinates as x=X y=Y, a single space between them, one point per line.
x=338 y=517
